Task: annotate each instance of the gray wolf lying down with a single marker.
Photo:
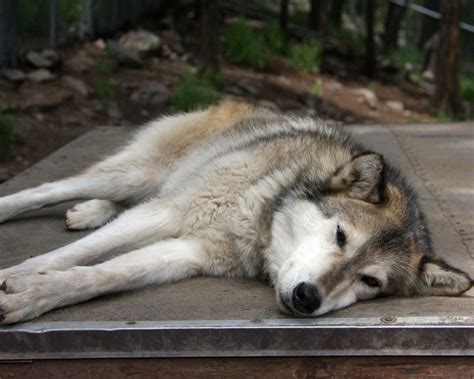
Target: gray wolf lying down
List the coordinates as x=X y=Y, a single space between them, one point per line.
x=234 y=191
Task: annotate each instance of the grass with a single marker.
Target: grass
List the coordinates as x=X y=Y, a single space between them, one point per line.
x=105 y=89
x=7 y=135
x=194 y=92
x=306 y=55
x=242 y=45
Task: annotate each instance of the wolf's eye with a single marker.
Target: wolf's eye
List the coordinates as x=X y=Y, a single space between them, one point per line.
x=340 y=237
x=370 y=281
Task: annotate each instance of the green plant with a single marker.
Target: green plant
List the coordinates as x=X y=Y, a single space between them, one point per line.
x=467 y=89
x=402 y=56
x=354 y=41
x=105 y=89
x=193 y=92
x=274 y=38
x=318 y=87
x=372 y=86
x=106 y=66
x=443 y=113
x=242 y=45
x=306 y=55
x=7 y=135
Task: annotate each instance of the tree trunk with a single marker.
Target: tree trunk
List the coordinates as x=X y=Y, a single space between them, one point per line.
x=7 y=33
x=447 y=60
x=210 y=21
x=393 y=21
x=370 y=58
x=284 y=16
x=317 y=16
x=335 y=14
x=430 y=25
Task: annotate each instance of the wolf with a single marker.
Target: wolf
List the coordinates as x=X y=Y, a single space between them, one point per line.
x=235 y=190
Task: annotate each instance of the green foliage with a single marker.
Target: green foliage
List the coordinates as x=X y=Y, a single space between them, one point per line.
x=106 y=89
x=33 y=16
x=372 y=86
x=242 y=45
x=7 y=135
x=318 y=88
x=193 y=92
x=306 y=55
x=106 y=66
x=443 y=113
x=355 y=42
x=402 y=56
x=274 y=38
x=467 y=89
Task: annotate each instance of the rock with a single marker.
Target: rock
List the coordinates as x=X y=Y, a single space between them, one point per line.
x=41 y=75
x=100 y=44
x=139 y=41
x=248 y=85
x=173 y=40
x=37 y=60
x=395 y=105
x=51 y=55
x=47 y=58
x=79 y=63
x=13 y=75
x=124 y=56
x=151 y=93
x=76 y=85
x=428 y=75
x=113 y=110
x=332 y=85
x=367 y=96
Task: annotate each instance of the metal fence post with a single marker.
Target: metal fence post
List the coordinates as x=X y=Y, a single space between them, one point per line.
x=52 y=24
x=7 y=33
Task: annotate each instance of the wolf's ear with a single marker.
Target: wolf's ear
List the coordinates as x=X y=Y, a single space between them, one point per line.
x=362 y=178
x=438 y=278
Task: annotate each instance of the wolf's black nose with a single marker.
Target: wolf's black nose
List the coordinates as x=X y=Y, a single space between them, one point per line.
x=306 y=298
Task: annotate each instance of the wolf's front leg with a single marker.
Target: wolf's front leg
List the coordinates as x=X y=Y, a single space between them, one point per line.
x=25 y=297
x=150 y=221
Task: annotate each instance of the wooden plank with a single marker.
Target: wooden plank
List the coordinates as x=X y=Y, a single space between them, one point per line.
x=297 y=367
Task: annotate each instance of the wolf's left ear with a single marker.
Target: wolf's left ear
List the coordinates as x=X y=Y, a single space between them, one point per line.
x=438 y=278
x=362 y=178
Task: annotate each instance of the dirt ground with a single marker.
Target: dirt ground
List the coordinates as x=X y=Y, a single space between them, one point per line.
x=49 y=114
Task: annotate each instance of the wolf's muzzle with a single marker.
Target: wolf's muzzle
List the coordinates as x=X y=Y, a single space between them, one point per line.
x=306 y=298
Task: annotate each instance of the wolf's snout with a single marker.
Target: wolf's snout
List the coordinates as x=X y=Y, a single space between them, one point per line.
x=306 y=298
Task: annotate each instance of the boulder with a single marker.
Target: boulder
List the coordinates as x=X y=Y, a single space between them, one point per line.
x=151 y=93
x=395 y=105
x=13 y=75
x=76 y=85
x=79 y=63
x=123 y=56
x=367 y=96
x=140 y=41
x=41 y=75
x=37 y=60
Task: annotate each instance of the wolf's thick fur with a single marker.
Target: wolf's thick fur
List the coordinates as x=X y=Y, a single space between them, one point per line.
x=234 y=191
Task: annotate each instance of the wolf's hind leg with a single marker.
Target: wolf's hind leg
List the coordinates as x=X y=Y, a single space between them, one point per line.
x=91 y=214
x=28 y=296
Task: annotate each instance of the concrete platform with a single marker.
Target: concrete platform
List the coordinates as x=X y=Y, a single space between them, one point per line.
x=214 y=317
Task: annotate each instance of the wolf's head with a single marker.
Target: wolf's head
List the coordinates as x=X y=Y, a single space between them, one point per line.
x=356 y=235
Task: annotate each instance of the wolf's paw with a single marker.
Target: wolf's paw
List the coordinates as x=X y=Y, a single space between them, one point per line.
x=27 y=296
x=90 y=214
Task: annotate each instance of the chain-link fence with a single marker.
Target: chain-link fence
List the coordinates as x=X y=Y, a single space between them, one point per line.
x=26 y=24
